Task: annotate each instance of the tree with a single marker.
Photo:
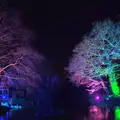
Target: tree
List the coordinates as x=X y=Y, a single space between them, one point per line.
x=97 y=56
x=13 y=33
x=20 y=68
x=18 y=61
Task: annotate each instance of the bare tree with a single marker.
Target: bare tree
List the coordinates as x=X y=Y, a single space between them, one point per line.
x=18 y=60
x=96 y=56
x=22 y=68
x=13 y=34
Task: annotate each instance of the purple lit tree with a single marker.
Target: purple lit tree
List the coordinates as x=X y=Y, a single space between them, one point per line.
x=21 y=66
x=96 y=56
x=18 y=60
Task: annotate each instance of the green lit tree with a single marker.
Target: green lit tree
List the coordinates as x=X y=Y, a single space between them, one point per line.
x=97 y=56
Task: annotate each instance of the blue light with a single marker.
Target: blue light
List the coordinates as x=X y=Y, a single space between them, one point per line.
x=5 y=104
x=1 y=118
x=107 y=98
x=4 y=97
x=16 y=107
x=36 y=115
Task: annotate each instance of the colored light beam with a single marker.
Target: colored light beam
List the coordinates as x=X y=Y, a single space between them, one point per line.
x=117 y=113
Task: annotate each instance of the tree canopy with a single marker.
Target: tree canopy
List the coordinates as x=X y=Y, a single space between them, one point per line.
x=97 y=56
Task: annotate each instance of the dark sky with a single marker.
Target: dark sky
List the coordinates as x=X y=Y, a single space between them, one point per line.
x=61 y=24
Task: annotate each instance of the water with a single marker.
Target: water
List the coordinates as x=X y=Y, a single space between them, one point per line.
x=7 y=115
x=32 y=114
x=35 y=114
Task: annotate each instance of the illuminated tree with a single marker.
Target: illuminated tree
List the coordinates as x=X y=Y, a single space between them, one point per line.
x=21 y=66
x=97 y=56
x=18 y=61
x=20 y=69
x=13 y=34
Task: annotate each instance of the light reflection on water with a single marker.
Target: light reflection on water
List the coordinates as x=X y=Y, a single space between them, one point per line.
x=97 y=113
x=7 y=115
x=16 y=114
x=11 y=113
x=94 y=114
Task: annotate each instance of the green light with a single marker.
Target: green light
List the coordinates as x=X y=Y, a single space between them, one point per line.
x=112 y=79
x=117 y=113
x=114 y=85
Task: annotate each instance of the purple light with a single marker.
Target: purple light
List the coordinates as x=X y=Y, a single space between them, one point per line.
x=97 y=97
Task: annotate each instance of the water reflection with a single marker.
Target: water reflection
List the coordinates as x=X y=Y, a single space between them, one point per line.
x=95 y=113
x=7 y=115
x=30 y=114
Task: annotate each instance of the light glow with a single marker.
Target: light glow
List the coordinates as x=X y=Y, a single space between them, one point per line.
x=97 y=97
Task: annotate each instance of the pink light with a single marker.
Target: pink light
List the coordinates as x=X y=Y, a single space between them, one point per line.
x=95 y=113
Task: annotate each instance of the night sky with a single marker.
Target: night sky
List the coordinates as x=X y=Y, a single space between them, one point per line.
x=59 y=25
